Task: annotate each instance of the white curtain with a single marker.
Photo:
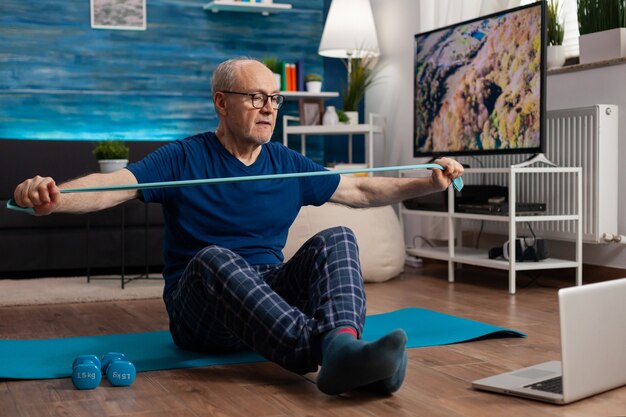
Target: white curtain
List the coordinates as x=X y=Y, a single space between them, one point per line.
x=438 y=13
x=434 y=14
x=569 y=16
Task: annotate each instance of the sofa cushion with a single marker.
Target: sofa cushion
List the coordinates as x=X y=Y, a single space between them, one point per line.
x=378 y=233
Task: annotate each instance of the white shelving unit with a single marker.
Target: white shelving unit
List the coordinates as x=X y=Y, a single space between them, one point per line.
x=479 y=257
x=249 y=7
x=296 y=95
x=369 y=130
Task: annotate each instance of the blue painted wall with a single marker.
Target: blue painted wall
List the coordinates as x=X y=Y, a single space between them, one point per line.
x=60 y=79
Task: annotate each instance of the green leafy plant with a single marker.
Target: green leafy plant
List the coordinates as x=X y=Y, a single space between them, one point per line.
x=312 y=77
x=111 y=149
x=361 y=77
x=342 y=116
x=272 y=63
x=600 y=15
x=556 y=31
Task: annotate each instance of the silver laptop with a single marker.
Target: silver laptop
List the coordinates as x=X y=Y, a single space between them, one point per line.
x=593 y=349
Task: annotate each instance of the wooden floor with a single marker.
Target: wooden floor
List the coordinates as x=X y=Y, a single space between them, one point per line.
x=437 y=381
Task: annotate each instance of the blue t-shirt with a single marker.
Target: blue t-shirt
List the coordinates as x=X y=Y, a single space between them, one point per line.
x=251 y=218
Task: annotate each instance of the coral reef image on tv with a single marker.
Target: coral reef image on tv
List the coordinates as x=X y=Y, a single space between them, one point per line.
x=479 y=85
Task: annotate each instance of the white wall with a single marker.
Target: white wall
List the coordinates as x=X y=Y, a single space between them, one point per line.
x=392 y=93
x=397 y=21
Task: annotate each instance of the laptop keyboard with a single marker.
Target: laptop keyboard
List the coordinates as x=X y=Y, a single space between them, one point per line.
x=554 y=385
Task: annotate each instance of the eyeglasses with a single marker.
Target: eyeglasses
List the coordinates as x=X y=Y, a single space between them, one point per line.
x=259 y=99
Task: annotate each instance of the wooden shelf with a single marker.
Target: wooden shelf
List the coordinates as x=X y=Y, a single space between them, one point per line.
x=248 y=7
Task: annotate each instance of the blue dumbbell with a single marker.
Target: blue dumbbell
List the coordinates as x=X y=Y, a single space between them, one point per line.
x=82 y=358
x=121 y=373
x=109 y=357
x=119 y=370
x=86 y=373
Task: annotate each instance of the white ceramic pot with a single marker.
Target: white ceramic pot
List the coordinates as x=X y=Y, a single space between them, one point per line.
x=353 y=117
x=555 y=56
x=111 y=165
x=602 y=46
x=314 y=86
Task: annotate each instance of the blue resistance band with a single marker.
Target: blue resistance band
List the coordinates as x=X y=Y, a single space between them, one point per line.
x=457 y=182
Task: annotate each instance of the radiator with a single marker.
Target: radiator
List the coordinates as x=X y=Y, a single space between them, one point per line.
x=586 y=137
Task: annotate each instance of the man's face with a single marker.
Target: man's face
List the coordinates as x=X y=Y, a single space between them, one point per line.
x=249 y=124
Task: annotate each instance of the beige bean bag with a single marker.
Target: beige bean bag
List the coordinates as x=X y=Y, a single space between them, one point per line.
x=378 y=233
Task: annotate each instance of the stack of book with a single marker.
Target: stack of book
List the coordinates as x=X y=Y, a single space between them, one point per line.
x=292 y=76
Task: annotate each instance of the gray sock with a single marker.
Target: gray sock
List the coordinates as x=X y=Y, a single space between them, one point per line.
x=391 y=384
x=348 y=363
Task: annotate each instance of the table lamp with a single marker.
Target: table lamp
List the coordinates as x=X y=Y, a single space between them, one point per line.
x=349 y=31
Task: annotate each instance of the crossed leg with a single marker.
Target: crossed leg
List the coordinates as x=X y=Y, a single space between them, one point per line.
x=282 y=312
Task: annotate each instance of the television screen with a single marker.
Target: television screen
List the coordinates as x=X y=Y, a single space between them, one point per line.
x=479 y=85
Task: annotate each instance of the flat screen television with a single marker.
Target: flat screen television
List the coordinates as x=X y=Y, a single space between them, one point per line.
x=480 y=85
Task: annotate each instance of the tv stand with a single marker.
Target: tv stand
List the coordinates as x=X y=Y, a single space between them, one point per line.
x=454 y=252
x=535 y=159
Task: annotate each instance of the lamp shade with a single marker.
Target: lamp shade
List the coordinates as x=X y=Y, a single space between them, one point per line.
x=349 y=31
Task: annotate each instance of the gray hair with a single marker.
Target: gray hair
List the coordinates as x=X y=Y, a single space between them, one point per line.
x=224 y=76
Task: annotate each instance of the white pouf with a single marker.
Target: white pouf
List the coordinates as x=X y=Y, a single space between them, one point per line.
x=378 y=233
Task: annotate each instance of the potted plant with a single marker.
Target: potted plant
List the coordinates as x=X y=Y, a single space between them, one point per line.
x=313 y=82
x=343 y=118
x=602 y=27
x=111 y=155
x=273 y=64
x=555 y=53
x=361 y=72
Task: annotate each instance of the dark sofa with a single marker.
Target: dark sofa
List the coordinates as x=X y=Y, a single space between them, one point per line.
x=63 y=244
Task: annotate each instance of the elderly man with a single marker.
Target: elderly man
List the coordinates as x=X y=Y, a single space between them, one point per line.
x=226 y=285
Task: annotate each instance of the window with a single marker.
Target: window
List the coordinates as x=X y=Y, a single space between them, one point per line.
x=569 y=15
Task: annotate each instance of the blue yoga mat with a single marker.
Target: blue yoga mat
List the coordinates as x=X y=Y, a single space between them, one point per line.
x=52 y=358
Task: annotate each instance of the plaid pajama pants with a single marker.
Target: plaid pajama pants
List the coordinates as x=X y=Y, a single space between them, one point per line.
x=223 y=304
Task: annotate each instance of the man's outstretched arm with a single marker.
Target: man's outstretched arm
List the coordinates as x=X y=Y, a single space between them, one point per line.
x=45 y=197
x=380 y=191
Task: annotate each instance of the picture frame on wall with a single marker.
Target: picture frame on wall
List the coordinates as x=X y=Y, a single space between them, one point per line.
x=311 y=111
x=118 y=14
